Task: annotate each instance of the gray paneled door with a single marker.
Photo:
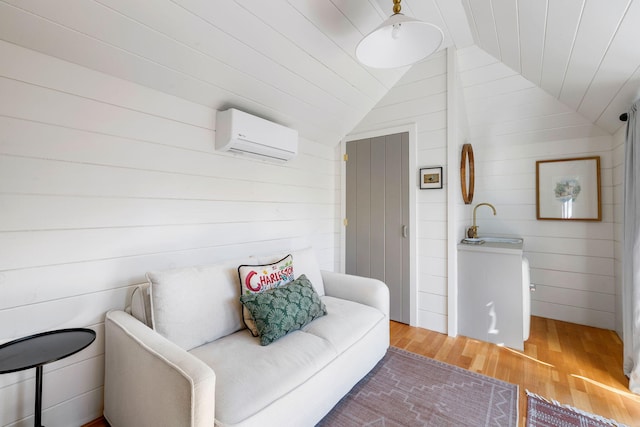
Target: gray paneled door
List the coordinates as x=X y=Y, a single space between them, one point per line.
x=377 y=241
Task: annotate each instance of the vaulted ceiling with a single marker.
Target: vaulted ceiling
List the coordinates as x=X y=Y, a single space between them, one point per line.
x=292 y=61
x=583 y=52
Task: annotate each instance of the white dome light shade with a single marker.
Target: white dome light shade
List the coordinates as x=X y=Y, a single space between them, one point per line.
x=399 y=41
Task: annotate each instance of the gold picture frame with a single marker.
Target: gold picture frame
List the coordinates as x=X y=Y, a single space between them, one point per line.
x=568 y=189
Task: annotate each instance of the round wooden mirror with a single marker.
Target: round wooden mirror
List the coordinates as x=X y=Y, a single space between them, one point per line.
x=467 y=174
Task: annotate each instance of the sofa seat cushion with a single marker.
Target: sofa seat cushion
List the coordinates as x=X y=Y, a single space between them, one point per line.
x=345 y=323
x=249 y=376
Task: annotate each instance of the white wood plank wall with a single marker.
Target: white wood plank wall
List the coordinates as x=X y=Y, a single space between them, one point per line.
x=513 y=123
x=421 y=97
x=102 y=180
x=459 y=212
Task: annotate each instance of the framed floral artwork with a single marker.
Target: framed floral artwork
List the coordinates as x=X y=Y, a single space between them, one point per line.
x=568 y=189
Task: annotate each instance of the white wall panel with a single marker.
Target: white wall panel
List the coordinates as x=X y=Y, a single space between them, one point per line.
x=46 y=105
x=517 y=126
x=102 y=180
x=428 y=68
x=485 y=74
x=26 y=65
x=409 y=108
x=572 y=280
x=433 y=303
x=414 y=90
x=502 y=86
x=469 y=59
x=572 y=314
x=572 y=262
x=498 y=113
x=431 y=230
x=36 y=140
x=58 y=387
x=24 y=212
x=433 y=321
x=432 y=139
x=64 y=246
x=432 y=267
x=582 y=247
x=37 y=176
x=435 y=285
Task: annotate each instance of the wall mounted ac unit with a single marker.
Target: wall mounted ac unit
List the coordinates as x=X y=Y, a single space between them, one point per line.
x=241 y=132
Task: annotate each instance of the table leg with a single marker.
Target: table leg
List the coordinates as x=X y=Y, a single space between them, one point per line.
x=37 y=416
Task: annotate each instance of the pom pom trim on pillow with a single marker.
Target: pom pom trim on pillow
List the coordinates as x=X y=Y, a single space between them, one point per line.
x=284 y=309
x=261 y=278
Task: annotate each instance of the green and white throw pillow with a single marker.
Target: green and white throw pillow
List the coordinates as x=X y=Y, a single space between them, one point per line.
x=284 y=309
x=260 y=278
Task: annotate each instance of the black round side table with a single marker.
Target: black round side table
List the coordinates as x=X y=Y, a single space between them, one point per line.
x=37 y=350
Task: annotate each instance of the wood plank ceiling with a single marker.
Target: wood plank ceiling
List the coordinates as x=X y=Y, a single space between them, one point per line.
x=292 y=61
x=583 y=52
x=289 y=61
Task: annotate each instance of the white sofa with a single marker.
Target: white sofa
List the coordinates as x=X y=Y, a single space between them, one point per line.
x=182 y=356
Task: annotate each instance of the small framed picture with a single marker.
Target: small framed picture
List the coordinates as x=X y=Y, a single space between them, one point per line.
x=568 y=189
x=430 y=178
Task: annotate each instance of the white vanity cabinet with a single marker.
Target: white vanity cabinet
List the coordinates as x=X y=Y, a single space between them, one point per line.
x=490 y=293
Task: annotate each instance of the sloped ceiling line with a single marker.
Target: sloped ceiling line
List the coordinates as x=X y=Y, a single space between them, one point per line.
x=293 y=61
x=578 y=51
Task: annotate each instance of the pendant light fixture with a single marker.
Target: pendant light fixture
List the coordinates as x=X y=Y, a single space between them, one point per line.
x=398 y=41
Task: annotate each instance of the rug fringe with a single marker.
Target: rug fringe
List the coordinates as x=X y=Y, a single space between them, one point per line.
x=602 y=419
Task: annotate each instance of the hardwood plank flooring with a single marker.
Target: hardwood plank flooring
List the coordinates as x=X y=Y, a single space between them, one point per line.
x=576 y=365
x=573 y=364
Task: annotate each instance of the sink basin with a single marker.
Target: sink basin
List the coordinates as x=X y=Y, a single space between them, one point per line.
x=491 y=239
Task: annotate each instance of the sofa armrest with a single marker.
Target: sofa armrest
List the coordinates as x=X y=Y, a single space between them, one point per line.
x=150 y=381
x=371 y=292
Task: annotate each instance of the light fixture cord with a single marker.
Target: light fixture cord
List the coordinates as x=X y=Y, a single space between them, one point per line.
x=396 y=6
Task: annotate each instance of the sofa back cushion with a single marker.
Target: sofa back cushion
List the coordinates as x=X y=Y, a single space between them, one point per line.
x=195 y=305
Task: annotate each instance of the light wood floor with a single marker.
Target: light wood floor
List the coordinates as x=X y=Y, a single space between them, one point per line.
x=573 y=364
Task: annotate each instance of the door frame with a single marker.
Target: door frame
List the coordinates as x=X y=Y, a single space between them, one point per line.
x=412 y=171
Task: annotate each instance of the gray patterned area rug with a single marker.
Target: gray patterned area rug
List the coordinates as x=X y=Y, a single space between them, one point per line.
x=542 y=412
x=406 y=389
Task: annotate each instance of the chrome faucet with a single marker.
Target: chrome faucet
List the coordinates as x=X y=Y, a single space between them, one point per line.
x=472 y=232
